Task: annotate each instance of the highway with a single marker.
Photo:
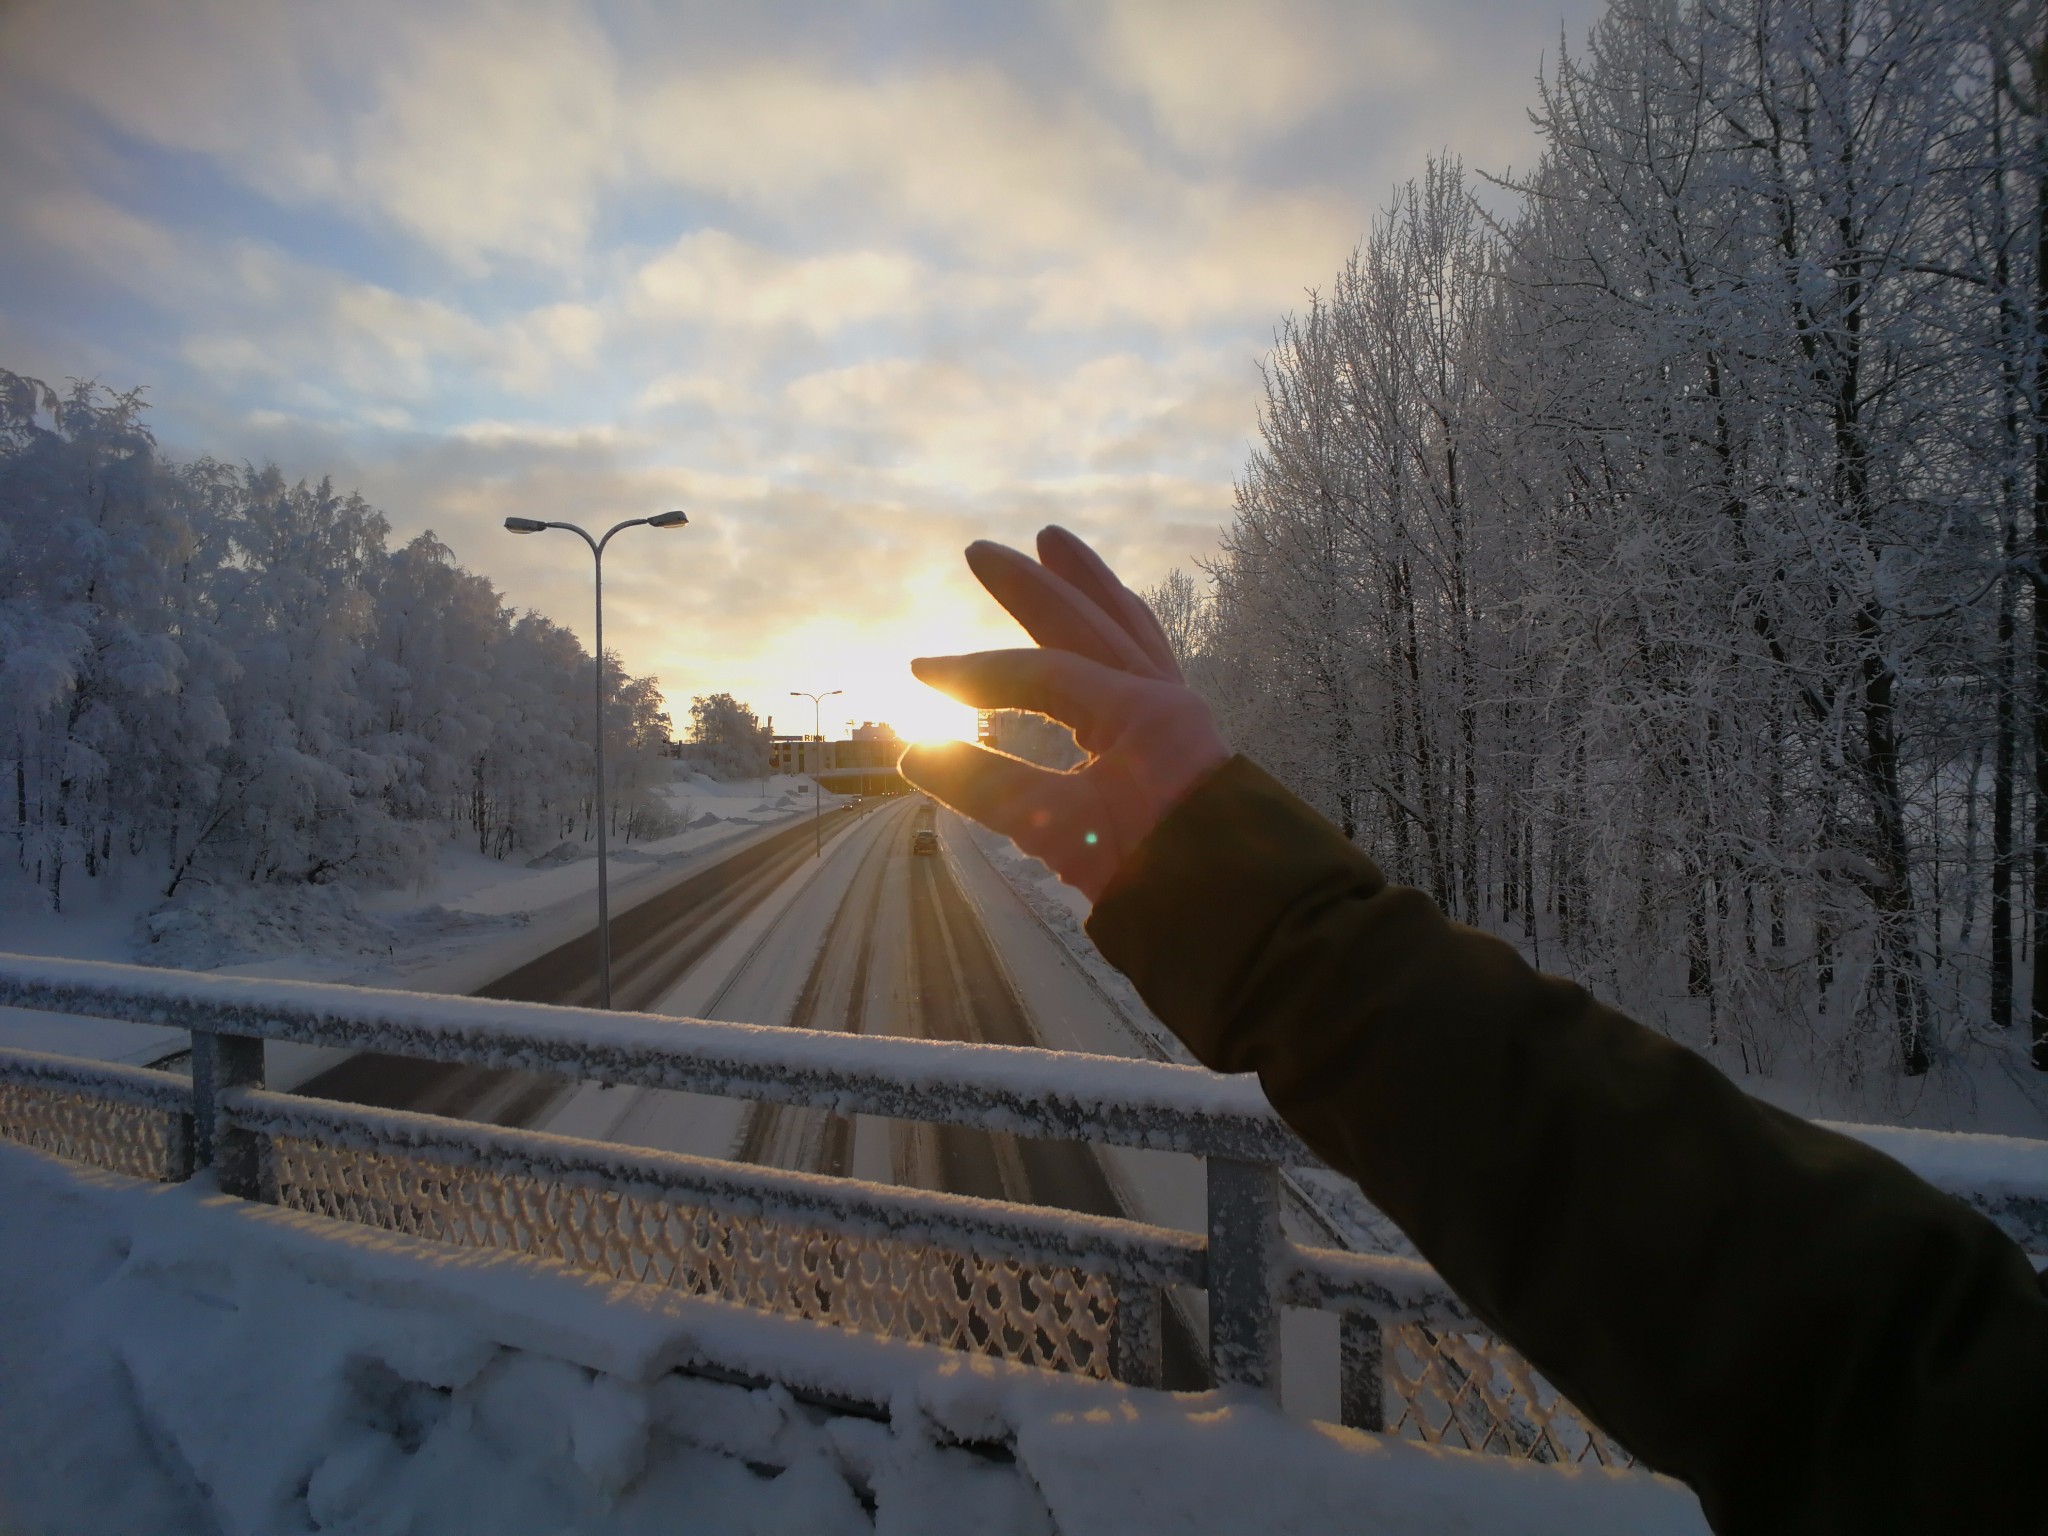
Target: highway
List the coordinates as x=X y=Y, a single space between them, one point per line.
x=871 y=938
x=654 y=944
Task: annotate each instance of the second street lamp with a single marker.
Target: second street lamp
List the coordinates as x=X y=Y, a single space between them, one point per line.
x=817 y=784
x=604 y=915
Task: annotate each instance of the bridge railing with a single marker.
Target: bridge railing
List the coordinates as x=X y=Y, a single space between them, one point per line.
x=1079 y=1293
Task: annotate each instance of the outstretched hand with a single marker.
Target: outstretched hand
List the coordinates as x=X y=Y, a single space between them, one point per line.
x=1103 y=669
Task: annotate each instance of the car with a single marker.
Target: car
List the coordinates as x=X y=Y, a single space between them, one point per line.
x=924 y=840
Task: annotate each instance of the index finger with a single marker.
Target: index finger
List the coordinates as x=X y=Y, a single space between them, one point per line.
x=1067 y=555
x=1052 y=610
x=1073 y=690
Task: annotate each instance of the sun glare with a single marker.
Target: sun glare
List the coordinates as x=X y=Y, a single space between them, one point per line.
x=862 y=660
x=870 y=668
x=934 y=718
x=880 y=687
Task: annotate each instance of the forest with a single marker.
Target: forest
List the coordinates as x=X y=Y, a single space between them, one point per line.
x=1655 y=573
x=225 y=678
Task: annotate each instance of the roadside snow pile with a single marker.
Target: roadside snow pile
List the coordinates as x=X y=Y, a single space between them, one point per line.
x=1063 y=911
x=217 y=926
x=560 y=854
x=181 y=1362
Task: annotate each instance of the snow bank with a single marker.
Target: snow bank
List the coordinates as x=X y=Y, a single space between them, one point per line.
x=2006 y=1177
x=218 y=926
x=1061 y=912
x=249 y=1370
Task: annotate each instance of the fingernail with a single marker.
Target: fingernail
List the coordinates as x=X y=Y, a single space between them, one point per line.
x=987 y=551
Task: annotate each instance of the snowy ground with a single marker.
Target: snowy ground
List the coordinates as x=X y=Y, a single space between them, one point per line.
x=474 y=918
x=205 y=1365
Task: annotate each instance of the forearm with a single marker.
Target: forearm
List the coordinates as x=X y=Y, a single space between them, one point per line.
x=1796 y=1325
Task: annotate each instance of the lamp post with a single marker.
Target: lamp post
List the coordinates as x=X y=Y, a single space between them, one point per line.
x=818 y=789
x=604 y=913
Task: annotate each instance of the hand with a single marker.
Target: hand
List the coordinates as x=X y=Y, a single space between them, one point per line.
x=1106 y=672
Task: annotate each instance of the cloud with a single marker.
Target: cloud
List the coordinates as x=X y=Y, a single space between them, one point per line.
x=712 y=278
x=1240 y=254
x=538 y=348
x=959 y=153
x=493 y=133
x=220 y=78
x=1220 y=76
x=124 y=248
x=331 y=340
x=249 y=311
x=717 y=392
x=1044 y=206
x=484 y=130
x=927 y=427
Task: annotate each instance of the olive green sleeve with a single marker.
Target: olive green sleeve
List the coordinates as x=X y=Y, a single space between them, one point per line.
x=1795 y=1325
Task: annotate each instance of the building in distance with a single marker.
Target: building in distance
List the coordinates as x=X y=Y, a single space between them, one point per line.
x=863 y=764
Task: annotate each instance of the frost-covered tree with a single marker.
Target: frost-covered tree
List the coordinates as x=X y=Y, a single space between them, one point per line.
x=233 y=678
x=727 y=739
x=1656 y=572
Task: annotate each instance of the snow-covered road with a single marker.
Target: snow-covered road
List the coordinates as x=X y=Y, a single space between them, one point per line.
x=677 y=930
x=870 y=937
x=876 y=938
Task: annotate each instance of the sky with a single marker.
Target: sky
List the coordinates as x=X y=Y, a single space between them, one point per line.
x=850 y=283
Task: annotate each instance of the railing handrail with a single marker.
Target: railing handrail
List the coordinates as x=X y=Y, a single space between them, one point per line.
x=144 y=1087
x=999 y=1228
x=1110 y=1099
x=1160 y=1106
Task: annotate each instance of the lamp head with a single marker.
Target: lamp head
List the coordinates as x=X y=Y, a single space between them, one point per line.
x=524 y=525
x=668 y=520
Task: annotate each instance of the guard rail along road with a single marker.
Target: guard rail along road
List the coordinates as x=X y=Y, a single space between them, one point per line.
x=1070 y=1292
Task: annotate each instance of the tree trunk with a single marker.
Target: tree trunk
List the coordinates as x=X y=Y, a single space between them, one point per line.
x=2039 y=702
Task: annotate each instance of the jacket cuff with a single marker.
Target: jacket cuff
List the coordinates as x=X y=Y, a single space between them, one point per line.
x=1189 y=913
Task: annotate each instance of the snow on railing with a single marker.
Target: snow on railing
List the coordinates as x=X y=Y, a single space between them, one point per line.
x=1073 y=1292
x=1110 y=1099
x=129 y=1119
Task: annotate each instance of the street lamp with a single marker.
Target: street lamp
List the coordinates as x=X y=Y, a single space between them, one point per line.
x=817 y=789
x=604 y=912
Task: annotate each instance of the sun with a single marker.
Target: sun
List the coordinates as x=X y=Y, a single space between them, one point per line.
x=867 y=669
x=863 y=662
x=869 y=659
x=886 y=692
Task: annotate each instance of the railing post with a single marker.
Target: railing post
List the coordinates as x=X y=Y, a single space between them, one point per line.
x=1244 y=1290
x=221 y=1062
x=1361 y=1374
x=179 y=1142
x=1136 y=1341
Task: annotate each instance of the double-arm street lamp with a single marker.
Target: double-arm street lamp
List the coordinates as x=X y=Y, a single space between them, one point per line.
x=604 y=915
x=817 y=784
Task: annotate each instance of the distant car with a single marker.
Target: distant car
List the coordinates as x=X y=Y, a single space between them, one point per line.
x=924 y=840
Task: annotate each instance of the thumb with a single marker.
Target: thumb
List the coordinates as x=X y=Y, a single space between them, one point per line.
x=1003 y=793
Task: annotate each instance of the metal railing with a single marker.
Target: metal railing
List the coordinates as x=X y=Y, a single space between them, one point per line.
x=1086 y=1294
